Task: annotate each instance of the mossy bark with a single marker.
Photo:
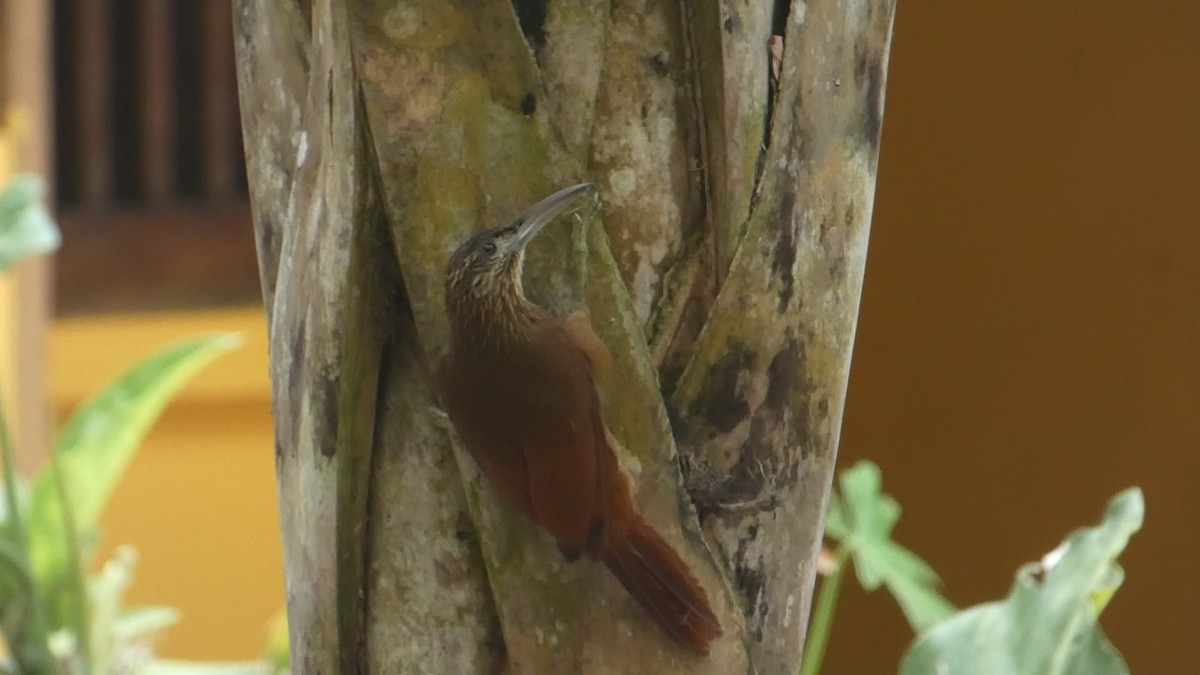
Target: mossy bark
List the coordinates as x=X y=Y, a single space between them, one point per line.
x=723 y=272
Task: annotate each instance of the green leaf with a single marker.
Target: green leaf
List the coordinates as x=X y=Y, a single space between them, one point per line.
x=1107 y=588
x=22 y=500
x=1048 y=624
x=20 y=616
x=26 y=228
x=19 y=591
x=861 y=518
x=98 y=443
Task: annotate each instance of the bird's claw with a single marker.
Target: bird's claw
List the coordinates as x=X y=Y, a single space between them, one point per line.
x=440 y=417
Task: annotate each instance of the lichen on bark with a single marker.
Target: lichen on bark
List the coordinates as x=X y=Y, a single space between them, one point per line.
x=722 y=270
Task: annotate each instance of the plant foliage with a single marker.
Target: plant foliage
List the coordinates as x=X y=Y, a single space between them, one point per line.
x=860 y=519
x=53 y=616
x=1049 y=622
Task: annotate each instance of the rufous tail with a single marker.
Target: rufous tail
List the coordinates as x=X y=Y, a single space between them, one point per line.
x=664 y=586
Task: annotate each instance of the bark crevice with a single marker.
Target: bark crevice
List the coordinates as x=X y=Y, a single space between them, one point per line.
x=531 y=14
x=723 y=273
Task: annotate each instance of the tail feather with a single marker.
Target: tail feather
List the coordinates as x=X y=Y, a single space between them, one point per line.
x=662 y=584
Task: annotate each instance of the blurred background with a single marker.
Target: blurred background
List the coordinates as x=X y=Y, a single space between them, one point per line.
x=1029 y=342
x=130 y=110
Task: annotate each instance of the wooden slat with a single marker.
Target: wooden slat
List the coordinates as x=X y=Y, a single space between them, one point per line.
x=220 y=101
x=166 y=257
x=155 y=238
x=93 y=85
x=157 y=100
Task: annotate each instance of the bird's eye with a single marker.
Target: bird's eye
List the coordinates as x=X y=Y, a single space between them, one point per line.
x=489 y=247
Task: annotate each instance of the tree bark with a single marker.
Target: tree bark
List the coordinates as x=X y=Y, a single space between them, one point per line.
x=723 y=272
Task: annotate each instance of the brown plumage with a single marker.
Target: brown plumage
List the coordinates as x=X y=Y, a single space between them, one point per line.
x=519 y=387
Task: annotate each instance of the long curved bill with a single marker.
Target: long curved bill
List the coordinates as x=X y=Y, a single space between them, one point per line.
x=531 y=222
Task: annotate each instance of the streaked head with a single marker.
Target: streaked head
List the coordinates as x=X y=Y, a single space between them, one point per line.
x=490 y=262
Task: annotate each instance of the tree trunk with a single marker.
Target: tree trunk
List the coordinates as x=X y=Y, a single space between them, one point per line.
x=724 y=270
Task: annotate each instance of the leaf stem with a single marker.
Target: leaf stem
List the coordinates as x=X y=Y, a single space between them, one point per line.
x=29 y=648
x=80 y=609
x=822 y=619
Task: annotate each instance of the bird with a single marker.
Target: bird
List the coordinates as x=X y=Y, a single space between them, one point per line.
x=519 y=387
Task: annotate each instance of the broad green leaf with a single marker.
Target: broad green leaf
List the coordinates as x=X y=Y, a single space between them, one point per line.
x=26 y=228
x=20 y=618
x=1048 y=624
x=17 y=590
x=98 y=443
x=912 y=582
x=861 y=519
x=1107 y=588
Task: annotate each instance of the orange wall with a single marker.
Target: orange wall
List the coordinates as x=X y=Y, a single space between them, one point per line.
x=1030 y=332
x=199 y=501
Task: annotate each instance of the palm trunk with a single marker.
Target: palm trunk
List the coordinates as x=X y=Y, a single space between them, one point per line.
x=737 y=174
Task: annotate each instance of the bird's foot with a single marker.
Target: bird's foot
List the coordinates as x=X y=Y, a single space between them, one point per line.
x=440 y=418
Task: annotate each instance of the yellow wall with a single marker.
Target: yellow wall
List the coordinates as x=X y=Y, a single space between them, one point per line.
x=199 y=501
